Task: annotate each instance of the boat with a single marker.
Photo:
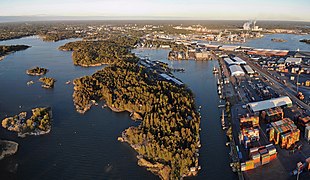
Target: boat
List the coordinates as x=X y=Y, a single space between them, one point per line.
x=221 y=106
x=68 y=82
x=215 y=70
x=30 y=82
x=223 y=120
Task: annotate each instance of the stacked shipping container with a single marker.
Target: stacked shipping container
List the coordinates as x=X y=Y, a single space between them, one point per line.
x=284 y=132
x=259 y=156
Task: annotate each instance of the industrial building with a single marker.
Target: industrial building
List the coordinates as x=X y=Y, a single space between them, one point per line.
x=239 y=61
x=236 y=70
x=295 y=61
x=270 y=103
x=229 y=61
x=248 y=70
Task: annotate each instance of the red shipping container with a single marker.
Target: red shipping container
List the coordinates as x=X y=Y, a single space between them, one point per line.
x=273 y=157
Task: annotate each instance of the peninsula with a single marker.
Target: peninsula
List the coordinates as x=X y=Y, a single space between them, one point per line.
x=7 y=148
x=97 y=53
x=5 y=50
x=37 y=71
x=167 y=140
x=38 y=124
x=307 y=41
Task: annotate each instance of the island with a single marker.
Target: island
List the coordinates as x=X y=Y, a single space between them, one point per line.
x=97 y=53
x=307 y=41
x=167 y=140
x=278 y=40
x=37 y=71
x=47 y=82
x=7 y=148
x=38 y=124
x=5 y=50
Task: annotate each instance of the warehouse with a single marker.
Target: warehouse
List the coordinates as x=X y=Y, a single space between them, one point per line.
x=236 y=70
x=291 y=60
x=248 y=69
x=239 y=61
x=229 y=62
x=270 y=103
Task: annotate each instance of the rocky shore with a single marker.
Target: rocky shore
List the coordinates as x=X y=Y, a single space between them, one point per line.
x=7 y=148
x=38 y=124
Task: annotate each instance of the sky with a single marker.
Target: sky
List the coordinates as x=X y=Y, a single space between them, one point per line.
x=297 y=10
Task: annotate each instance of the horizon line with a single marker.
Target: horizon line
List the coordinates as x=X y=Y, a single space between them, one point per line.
x=108 y=18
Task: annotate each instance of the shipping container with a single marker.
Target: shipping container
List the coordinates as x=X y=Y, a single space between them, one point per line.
x=307 y=133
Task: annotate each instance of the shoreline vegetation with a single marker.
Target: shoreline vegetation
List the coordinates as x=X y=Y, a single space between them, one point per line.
x=167 y=140
x=38 y=124
x=37 y=71
x=6 y=50
x=7 y=148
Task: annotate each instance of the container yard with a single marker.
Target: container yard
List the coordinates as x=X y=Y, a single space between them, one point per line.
x=271 y=130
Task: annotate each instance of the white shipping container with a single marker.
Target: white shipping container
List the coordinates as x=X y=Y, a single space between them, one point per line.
x=307 y=133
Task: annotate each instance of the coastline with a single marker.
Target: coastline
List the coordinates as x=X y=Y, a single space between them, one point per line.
x=8 y=148
x=2 y=57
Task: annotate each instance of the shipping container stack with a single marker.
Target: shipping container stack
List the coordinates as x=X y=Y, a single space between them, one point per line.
x=248 y=136
x=259 y=156
x=307 y=132
x=284 y=133
x=249 y=131
x=272 y=115
x=303 y=122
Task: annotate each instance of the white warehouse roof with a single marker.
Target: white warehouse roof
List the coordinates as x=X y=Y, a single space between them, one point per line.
x=293 y=60
x=239 y=60
x=236 y=70
x=270 y=103
x=248 y=69
x=229 y=61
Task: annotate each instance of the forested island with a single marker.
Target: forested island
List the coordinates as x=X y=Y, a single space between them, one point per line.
x=37 y=71
x=47 y=82
x=167 y=140
x=97 y=53
x=7 y=148
x=5 y=50
x=305 y=41
x=38 y=124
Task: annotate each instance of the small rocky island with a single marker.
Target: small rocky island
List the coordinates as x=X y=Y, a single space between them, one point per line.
x=307 y=41
x=7 y=148
x=48 y=82
x=5 y=50
x=37 y=71
x=278 y=40
x=38 y=124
